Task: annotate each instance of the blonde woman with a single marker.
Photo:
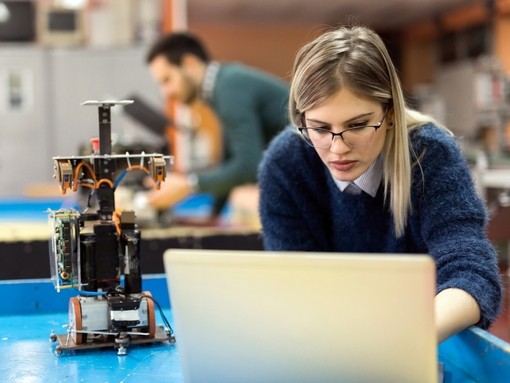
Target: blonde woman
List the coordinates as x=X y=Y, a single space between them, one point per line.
x=361 y=172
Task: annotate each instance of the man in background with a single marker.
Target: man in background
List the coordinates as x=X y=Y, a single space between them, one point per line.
x=250 y=105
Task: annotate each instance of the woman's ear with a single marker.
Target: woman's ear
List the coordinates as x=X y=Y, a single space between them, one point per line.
x=390 y=116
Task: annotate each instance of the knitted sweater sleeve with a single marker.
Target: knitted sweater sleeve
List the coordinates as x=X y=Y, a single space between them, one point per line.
x=285 y=198
x=453 y=222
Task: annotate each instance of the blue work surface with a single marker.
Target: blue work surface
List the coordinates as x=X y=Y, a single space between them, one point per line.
x=30 y=209
x=33 y=310
x=475 y=355
x=34 y=209
x=28 y=355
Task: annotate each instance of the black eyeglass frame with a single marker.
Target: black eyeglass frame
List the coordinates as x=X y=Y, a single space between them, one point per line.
x=303 y=129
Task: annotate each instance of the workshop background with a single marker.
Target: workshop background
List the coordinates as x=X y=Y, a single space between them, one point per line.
x=453 y=57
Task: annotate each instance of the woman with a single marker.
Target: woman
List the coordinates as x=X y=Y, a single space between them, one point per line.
x=364 y=173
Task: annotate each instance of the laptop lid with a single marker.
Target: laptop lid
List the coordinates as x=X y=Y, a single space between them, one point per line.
x=255 y=316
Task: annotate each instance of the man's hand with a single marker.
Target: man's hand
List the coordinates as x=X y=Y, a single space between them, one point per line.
x=175 y=188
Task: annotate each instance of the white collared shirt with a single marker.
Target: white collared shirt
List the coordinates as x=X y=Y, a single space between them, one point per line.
x=209 y=80
x=368 y=182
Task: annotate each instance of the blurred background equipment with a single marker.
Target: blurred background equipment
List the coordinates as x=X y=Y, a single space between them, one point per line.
x=17 y=21
x=59 y=25
x=147 y=115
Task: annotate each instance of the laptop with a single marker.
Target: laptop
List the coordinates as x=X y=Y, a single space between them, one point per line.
x=292 y=317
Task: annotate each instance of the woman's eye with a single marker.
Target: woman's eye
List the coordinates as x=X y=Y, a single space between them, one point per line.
x=360 y=124
x=320 y=131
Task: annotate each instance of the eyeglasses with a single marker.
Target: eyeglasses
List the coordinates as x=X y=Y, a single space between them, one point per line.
x=356 y=136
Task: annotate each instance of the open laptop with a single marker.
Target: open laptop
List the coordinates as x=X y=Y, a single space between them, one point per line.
x=255 y=316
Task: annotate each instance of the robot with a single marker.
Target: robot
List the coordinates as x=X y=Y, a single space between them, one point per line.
x=98 y=252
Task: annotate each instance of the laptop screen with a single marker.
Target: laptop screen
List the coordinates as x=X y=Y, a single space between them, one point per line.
x=255 y=316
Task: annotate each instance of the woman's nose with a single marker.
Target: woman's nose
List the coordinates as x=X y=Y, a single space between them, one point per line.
x=338 y=145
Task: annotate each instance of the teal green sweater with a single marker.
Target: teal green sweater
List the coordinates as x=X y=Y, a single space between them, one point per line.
x=251 y=106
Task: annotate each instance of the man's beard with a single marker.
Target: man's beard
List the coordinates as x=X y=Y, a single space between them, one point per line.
x=191 y=93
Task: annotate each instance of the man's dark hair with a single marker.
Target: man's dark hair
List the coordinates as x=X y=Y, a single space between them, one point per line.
x=175 y=45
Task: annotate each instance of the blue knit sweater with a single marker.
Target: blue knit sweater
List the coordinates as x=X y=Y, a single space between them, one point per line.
x=301 y=208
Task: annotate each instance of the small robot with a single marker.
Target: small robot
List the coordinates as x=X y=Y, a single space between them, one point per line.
x=98 y=252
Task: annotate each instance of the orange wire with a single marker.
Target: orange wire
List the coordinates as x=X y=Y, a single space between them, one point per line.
x=76 y=173
x=134 y=167
x=104 y=181
x=87 y=185
x=116 y=222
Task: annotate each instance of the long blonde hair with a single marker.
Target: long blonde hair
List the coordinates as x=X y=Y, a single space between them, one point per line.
x=356 y=58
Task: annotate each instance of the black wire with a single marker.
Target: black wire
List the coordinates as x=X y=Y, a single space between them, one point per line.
x=97 y=294
x=85 y=293
x=165 y=320
x=89 y=198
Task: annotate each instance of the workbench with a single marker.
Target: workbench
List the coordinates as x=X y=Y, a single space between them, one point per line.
x=33 y=309
x=24 y=236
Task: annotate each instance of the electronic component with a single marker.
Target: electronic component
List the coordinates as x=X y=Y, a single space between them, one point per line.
x=64 y=248
x=98 y=252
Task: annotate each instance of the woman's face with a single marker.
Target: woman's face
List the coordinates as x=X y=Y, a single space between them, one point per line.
x=342 y=111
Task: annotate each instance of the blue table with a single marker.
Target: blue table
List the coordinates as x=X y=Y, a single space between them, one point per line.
x=32 y=309
x=21 y=208
x=27 y=356
x=475 y=355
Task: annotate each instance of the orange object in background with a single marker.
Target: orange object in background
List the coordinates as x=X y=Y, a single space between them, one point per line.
x=209 y=130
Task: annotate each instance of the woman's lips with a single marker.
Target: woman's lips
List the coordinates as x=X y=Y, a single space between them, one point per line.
x=343 y=166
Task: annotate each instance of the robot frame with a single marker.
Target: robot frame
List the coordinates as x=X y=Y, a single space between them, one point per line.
x=90 y=250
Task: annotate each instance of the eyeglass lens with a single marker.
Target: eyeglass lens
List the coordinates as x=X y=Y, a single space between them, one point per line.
x=321 y=138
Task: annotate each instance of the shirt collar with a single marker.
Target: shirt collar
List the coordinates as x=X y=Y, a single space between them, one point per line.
x=369 y=181
x=211 y=72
